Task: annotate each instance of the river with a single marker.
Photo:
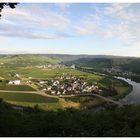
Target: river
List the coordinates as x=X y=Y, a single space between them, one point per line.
x=134 y=96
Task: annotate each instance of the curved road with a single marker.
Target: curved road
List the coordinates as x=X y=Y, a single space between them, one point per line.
x=120 y=104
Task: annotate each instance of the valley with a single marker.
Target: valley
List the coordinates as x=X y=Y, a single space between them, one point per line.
x=53 y=78
x=41 y=89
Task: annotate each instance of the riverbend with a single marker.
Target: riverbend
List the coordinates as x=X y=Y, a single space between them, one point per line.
x=134 y=96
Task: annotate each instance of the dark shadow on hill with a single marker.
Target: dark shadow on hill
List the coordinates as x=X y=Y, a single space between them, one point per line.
x=69 y=122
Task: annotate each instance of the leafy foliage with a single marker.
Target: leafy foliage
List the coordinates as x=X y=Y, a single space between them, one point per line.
x=127 y=64
x=69 y=122
x=11 y=5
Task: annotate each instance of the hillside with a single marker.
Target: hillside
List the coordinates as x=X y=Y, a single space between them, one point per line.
x=26 y=60
x=34 y=122
x=67 y=57
x=95 y=61
x=127 y=64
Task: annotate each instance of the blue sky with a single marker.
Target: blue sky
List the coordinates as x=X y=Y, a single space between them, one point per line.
x=66 y=28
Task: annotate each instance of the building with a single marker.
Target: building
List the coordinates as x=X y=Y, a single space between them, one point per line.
x=14 y=82
x=72 y=66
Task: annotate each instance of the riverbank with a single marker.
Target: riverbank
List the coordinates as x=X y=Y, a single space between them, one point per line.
x=117 y=88
x=127 y=91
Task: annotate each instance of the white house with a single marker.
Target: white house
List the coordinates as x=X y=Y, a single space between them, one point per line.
x=14 y=82
x=44 y=89
x=58 y=93
x=42 y=82
x=72 y=66
x=53 y=92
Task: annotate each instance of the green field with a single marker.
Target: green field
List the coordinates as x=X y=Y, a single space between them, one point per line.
x=31 y=100
x=103 y=82
x=42 y=73
x=16 y=87
x=27 y=97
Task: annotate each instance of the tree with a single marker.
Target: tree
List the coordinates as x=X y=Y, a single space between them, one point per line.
x=11 y=5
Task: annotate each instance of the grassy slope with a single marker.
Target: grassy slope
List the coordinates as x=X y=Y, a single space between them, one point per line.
x=28 y=99
x=27 y=60
x=86 y=101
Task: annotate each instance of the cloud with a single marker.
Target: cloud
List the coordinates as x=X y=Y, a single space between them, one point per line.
x=36 y=21
x=33 y=22
x=127 y=18
x=120 y=21
x=88 y=25
x=15 y=31
x=63 y=6
x=13 y=51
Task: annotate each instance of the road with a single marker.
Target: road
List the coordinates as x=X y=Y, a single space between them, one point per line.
x=107 y=99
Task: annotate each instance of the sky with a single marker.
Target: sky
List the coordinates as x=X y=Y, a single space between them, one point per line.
x=71 y=28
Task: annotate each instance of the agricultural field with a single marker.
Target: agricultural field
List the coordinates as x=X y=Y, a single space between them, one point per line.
x=30 y=100
x=27 y=97
x=46 y=103
x=16 y=87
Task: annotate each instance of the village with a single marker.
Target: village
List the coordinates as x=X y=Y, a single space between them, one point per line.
x=67 y=85
x=52 y=66
x=118 y=71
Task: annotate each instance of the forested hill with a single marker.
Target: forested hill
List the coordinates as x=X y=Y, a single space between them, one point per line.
x=43 y=59
x=127 y=64
x=67 y=57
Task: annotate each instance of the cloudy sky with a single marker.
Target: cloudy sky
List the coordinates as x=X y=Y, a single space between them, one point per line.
x=110 y=29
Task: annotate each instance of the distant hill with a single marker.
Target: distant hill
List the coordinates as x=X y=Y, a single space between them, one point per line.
x=27 y=60
x=68 y=57
x=94 y=61
x=127 y=64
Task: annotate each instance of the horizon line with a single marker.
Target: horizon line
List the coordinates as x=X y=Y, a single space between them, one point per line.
x=65 y=54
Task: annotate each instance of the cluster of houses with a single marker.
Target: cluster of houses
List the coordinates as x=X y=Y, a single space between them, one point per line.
x=113 y=70
x=118 y=71
x=67 y=85
x=52 y=66
x=56 y=66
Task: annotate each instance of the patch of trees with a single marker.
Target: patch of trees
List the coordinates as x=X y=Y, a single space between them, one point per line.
x=98 y=64
x=70 y=122
x=11 y=5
